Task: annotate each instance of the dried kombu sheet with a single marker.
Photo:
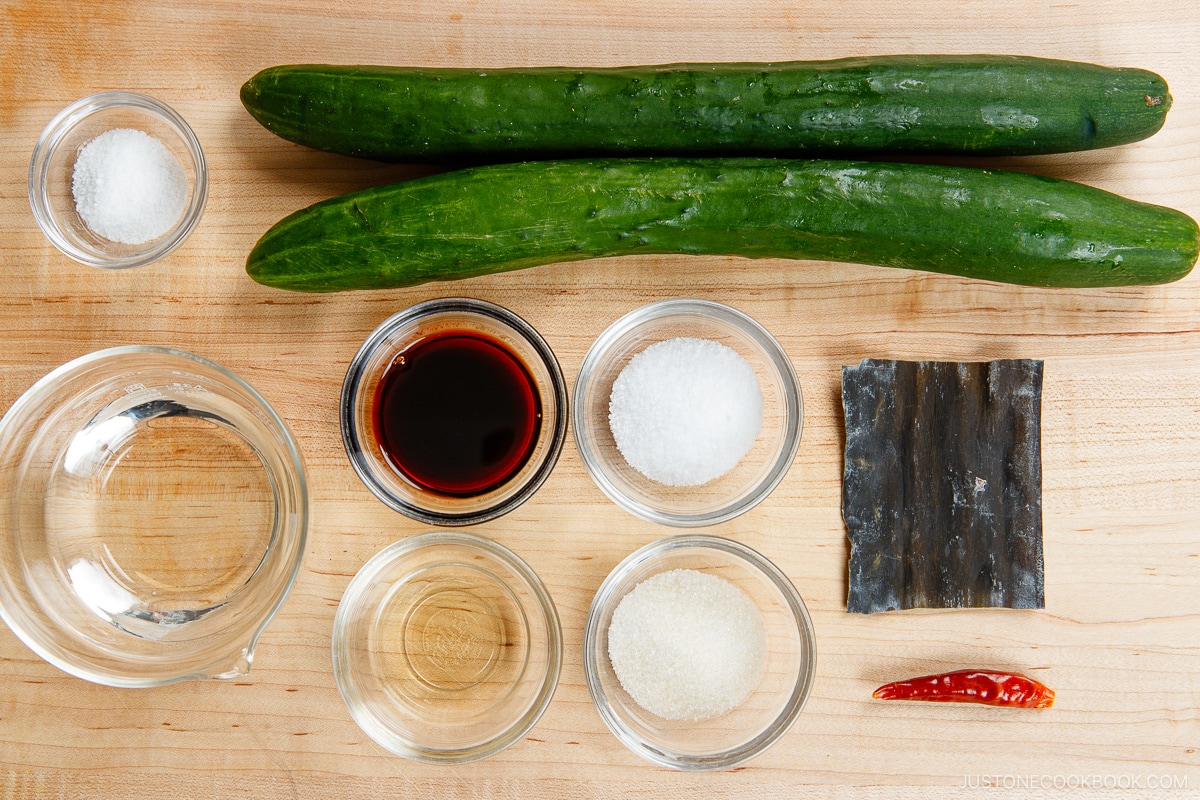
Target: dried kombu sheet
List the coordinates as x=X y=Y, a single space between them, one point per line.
x=942 y=492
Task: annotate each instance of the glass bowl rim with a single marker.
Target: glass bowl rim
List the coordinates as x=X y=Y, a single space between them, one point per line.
x=792 y=397
x=50 y=139
x=356 y=374
x=351 y=603
x=46 y=386
x=779 y=725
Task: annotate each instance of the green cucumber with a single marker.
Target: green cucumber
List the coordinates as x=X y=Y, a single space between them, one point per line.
x=995 y=105
x=998 y=226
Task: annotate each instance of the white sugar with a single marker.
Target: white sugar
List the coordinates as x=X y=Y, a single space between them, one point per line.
x=687 y=645
x=128 y=187
x=684 y=411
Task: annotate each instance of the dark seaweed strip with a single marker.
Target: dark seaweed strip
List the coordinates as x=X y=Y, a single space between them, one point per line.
x=942 y=485
x=926 y=513
x=1023 y=501
x=869 y=473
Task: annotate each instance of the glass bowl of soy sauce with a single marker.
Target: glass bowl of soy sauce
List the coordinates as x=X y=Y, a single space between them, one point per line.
x=454 y=411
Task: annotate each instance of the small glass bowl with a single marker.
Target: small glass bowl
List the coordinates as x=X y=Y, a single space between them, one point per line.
x=53 y=164
x=153 y=514
x=723 y=498
x=767 y=712
x=446 y=648
x=388 y=343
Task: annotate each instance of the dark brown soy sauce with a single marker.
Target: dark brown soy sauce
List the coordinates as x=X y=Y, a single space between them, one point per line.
x=457 y=413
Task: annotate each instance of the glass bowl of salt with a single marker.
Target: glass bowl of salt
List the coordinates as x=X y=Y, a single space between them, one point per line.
x=698 y=652
x=117 y=180
x=687 y=412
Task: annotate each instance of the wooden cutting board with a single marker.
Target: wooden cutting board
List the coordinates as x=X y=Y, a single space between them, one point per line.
x=1119 y=638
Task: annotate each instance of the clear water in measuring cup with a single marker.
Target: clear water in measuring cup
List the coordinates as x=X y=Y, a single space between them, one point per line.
x=160 y=511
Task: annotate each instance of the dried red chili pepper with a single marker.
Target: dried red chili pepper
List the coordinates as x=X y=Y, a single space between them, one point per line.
x=971 y=686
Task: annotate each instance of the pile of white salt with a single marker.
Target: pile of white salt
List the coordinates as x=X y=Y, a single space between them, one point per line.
x=684 y=411
x=128 y=187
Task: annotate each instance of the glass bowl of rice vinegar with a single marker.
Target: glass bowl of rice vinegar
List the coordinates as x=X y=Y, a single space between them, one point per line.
x=446 y=648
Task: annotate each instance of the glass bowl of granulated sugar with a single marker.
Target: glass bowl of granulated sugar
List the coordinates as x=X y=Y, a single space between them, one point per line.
x=687 y=412
x=698 y=653
x=117 y=180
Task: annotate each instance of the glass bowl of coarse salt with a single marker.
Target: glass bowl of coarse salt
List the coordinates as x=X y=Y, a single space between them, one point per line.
x=687 y=412
x=117 y=180
x=698 y=653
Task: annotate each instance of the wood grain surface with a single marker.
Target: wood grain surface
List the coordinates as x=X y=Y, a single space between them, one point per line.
x=1119 y=639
